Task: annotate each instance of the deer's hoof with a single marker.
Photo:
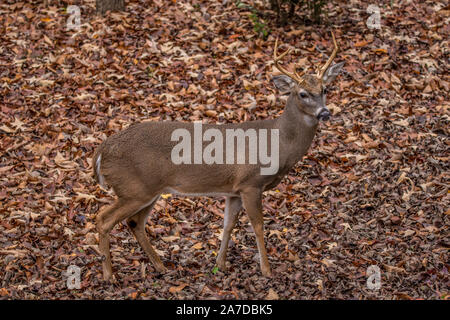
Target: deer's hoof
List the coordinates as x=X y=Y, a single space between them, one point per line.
x=221 y=265
x=267 y=273
x=109 y=278
x=160 y=268
x=107 y=275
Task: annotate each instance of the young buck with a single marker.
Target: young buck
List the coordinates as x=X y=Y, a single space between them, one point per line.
x=138 y=163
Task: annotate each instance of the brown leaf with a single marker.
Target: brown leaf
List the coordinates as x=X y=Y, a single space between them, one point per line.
x=197 y=246
x=272 y=295
x=178 y=288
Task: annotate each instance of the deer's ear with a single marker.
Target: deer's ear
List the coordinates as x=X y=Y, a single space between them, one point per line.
x=283 y=83
x=332 y=72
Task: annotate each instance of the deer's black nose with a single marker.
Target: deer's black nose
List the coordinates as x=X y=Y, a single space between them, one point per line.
x=324 y=115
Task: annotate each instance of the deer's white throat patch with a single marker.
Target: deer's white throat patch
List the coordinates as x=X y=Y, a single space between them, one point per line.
x=310 y=120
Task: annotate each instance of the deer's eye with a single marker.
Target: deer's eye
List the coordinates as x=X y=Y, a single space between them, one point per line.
x=303 y=95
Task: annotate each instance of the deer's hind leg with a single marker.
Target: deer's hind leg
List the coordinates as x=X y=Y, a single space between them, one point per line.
x=107 y=219
x=137 y=225
x=232 y=207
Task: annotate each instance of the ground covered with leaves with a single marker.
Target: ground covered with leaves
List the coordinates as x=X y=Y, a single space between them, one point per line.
x=372 y=190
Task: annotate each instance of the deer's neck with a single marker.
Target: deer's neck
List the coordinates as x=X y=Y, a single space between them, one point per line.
x=297 y=131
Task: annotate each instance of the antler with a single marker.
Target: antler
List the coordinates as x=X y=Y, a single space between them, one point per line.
x=294 y=75
x=325 y=67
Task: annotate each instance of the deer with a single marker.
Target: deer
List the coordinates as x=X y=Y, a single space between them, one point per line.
x=136 y=164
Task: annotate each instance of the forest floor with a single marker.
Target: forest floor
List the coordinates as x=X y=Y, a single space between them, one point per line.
x=372 y=190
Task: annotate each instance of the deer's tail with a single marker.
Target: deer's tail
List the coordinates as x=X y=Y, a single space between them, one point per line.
x=96 y=165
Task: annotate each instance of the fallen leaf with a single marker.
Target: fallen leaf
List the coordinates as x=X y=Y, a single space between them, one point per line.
x=178 y=288
x=272 y=295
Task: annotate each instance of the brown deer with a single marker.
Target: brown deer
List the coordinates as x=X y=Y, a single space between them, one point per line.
x=138 y=163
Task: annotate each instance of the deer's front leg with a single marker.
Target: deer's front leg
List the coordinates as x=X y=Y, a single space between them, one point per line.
x=252 y=199
x=232 y=207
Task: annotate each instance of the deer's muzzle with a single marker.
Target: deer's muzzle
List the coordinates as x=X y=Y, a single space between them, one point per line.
x=324 y=114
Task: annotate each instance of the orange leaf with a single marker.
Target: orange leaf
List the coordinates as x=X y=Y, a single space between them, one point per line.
x=133 y=295
x=197 y=246
x=380 y=50
x=177 y=289
x=361 y=44
x=3 y=292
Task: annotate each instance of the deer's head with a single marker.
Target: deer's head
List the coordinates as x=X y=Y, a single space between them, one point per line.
x=307 y=91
